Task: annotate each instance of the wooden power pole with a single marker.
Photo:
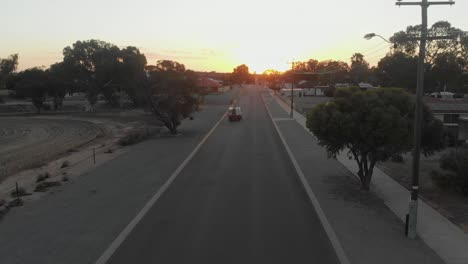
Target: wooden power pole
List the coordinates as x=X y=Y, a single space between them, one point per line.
x=413 y=205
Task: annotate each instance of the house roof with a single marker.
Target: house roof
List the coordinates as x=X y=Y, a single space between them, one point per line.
x=305 y=84
x=365 y=85
x=208 y=82
x=447 y=106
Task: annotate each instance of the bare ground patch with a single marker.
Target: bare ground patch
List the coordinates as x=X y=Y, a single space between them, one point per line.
x=62 y=147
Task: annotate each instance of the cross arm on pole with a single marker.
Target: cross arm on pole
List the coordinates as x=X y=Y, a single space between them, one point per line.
x=427 y=3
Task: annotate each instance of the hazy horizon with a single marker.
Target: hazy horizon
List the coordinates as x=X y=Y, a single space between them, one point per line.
x=210 y=35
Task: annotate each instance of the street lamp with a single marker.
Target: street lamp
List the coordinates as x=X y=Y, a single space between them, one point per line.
x=371 y=35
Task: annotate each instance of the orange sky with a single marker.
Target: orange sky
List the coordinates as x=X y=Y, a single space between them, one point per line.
x=211 y=35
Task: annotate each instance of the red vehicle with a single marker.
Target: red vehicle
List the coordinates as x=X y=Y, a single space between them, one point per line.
x=235 y=113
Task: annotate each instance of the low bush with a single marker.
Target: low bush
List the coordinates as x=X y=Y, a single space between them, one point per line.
x=65 y=164
x=133 y=137
x=43 y=186
x=42 y=177
x=19 y=192
x=454 y=175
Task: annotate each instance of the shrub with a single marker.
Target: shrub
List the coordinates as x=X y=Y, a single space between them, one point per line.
x=43 y=186
x=65 y=164
x=18 y=193
x=455 y=171
x=133 y=137
x=42 y=177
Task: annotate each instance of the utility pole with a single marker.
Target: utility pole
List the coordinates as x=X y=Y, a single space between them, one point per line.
x=413 y=204
x=292 y=90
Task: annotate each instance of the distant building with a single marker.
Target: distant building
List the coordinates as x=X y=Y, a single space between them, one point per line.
x=443 y=95
x=309 y=89
x=463 y=129
x=365 y=86
x=342 y=85
x=209 y=85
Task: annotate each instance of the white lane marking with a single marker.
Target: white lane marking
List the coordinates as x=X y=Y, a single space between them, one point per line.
x=129 y=228
x=283 y=119
x=313 y=199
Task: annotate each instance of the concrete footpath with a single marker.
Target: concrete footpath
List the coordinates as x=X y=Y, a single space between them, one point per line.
x=365 y=227
x=445 y=238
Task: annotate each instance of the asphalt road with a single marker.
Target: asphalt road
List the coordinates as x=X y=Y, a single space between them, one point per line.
x=76 y=222
x=238 y=200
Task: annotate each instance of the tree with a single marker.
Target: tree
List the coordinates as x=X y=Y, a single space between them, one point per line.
x=94 y=64
x=331 y=71
x=272 y=77
x=359 y=71
x=169 y=93
x=405 y=41
x=447 y=71
x=7 y=67
x=58 y=83
x=241 y=74
x=398 y=69
x=372 y=126
x=33 y=84
x=133 y=75
x=449 y=56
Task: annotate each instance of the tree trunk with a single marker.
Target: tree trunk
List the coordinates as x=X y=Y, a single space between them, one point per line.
x=171 y=127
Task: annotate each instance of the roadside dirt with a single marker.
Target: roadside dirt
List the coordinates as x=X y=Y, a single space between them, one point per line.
x=62 y=147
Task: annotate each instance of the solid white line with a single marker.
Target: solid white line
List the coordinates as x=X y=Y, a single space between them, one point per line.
x=129 y=228
x=313 y=199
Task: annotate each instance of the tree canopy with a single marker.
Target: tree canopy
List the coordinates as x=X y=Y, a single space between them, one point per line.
x=359 y=70
x=7 y=67
x=398 y=69
x=241 y=74
x=372 y=126
x=169 y=93
x=33 y=83
x=446 y=59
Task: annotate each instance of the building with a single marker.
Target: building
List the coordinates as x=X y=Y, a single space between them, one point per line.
x=309 y=89
x=453 y=114
x=209 y=85
x=463 y=130
x=366 y=86
x=342 y=85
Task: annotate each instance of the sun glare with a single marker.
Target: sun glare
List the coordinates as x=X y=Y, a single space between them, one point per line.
x=261 y=55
